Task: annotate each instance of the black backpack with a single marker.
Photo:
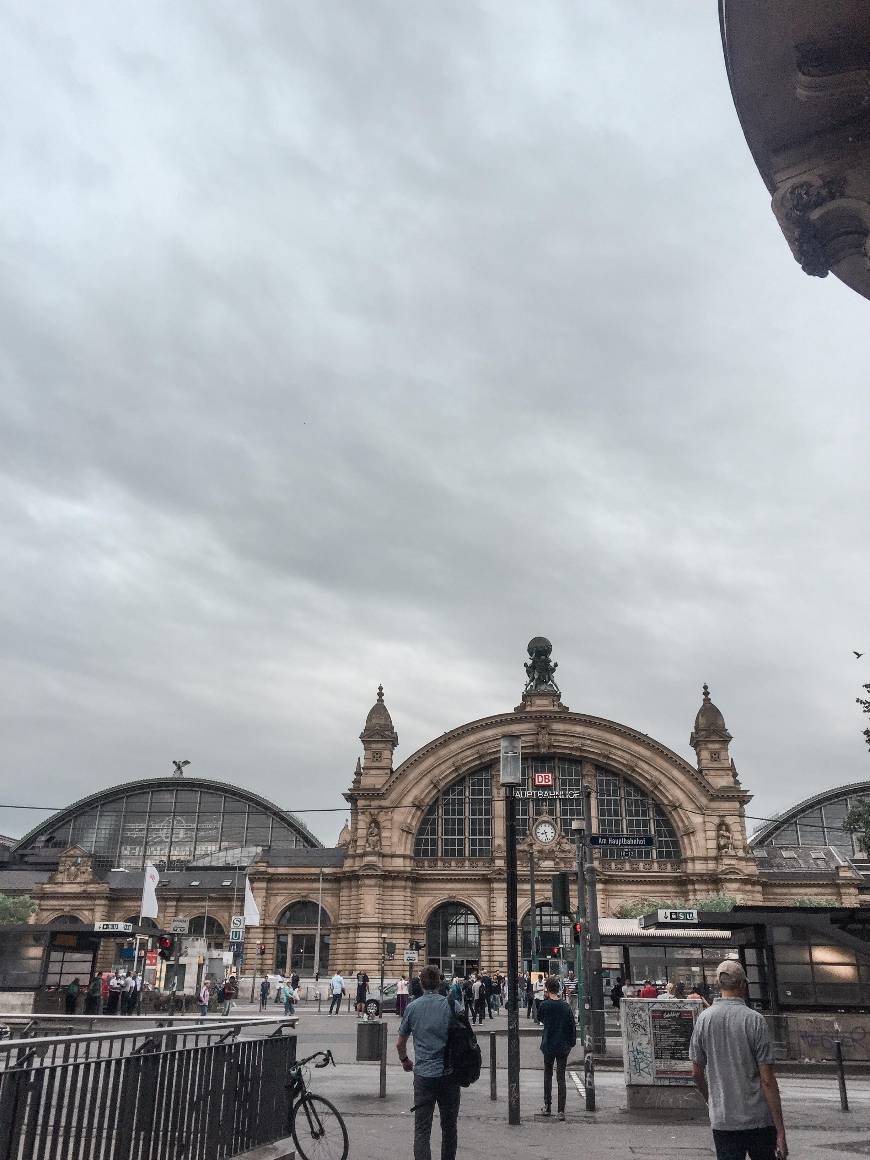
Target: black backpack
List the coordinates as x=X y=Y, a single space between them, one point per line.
x=462 y=1053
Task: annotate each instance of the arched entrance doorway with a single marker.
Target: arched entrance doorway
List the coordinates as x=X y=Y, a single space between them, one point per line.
x=552 y=931
x=295 y=947
x=453 y=939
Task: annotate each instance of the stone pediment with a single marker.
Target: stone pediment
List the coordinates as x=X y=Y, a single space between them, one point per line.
x=74 y=868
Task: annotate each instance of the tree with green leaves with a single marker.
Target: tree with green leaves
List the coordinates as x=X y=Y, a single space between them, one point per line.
x=15 y=908
x=857 y=820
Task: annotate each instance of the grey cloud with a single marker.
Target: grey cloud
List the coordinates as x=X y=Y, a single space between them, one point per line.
x=351 y=343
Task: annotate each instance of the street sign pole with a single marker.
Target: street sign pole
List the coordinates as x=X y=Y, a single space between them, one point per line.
x=534 y=962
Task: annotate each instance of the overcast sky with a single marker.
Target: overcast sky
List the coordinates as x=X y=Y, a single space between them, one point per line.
x=355 y=342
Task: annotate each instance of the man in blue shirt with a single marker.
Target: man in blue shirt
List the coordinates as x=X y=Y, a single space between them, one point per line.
x=428 y=1020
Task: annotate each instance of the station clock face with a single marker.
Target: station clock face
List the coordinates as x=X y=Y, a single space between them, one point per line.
x=545 y=831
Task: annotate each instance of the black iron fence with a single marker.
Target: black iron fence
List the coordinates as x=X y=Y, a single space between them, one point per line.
x=80 y=1097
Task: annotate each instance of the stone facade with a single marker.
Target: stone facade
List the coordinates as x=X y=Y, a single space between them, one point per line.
x=376 y=886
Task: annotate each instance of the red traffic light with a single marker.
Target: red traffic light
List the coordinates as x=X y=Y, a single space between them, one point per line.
x=165 y=946
x=578 y=932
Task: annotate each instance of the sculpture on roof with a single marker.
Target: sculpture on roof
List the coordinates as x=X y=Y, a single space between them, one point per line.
x=540 y=669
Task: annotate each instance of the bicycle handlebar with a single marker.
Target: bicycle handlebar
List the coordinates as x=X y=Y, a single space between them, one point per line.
x=325 y=1056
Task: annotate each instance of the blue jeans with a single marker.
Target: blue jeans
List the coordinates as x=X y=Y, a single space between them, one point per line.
x=760 y=1143
x=445 y=1092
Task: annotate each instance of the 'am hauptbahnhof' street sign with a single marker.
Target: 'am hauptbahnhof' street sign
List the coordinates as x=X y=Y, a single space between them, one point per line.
x=625 y=841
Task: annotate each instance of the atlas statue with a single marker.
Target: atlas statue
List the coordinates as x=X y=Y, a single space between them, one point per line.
x=540 y=669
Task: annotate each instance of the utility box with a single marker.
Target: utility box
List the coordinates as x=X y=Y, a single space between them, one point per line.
x=368 y=1041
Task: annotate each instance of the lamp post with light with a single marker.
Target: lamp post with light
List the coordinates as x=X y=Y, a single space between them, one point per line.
x=511 y=776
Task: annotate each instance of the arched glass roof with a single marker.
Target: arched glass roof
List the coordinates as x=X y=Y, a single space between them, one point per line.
x=817 y=821
x=172 y=822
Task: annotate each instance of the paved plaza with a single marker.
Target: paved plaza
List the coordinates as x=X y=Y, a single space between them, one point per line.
x=383 y=1128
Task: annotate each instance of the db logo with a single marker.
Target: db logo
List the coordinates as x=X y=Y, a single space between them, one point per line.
x=542 y=780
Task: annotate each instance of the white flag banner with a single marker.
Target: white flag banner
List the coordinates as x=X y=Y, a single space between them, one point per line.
x=148 y=906
x=252 y=911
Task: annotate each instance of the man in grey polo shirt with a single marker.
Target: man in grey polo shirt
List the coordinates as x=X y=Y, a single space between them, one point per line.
x=428 y=1020
x=732 y=1064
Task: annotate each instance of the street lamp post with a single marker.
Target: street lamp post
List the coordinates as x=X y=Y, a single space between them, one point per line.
x=578 y=826
x=510 y=777
x=596 y=974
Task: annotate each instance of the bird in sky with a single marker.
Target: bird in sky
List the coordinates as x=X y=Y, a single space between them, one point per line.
x=179 y=767
x=857 y=654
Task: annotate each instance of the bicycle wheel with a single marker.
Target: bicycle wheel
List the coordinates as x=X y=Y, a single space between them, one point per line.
x=318 y=1130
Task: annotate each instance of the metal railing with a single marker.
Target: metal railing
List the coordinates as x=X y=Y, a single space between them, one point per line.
x=143 y=1095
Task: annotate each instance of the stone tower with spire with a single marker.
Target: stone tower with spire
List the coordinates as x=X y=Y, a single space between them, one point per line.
x=379 y=740
x=710 y=740
x=724 y=824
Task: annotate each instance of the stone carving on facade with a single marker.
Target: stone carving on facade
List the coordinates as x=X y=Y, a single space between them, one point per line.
x=796 y=207
x=540 y=669
x=724 y=838
x=74 y=866
x=373 y=837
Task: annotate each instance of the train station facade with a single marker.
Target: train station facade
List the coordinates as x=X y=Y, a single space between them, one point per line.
x=422 y=856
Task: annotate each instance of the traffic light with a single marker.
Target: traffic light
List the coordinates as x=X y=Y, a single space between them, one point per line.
x=415 y=946
x=166 y=946
x=559 y=885
x=557 y=952
x=261 y=949
x=389 y=950
x=578 y=933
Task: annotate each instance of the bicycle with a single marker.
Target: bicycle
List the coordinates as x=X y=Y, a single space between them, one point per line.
x=321 y=1134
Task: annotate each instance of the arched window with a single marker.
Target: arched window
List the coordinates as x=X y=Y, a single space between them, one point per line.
x=458 y=824
x=296 y=950
x=453 y=939
x=552 y=930
x=206 y=926
x=66 y=920
x=146 y=923
x=303 y=914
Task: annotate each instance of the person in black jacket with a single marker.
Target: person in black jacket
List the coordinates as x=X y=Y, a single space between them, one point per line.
x=560 y=1035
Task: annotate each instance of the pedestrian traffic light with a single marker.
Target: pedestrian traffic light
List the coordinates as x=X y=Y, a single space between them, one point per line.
x=261 y=949
x=389 y=950
x=578 y=933
x=166 y=946
x=557 y=952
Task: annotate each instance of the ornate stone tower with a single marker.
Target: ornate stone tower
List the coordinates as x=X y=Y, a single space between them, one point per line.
x=710 y=740
x=379 y=740
x=724 y=824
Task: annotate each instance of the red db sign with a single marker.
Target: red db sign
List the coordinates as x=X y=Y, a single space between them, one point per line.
x=543 y=780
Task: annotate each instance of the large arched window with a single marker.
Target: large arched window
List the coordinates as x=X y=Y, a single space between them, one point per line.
x=206 y=926
x=458 y=824
x=453 y=939
x=296 y=946
x=552 y=930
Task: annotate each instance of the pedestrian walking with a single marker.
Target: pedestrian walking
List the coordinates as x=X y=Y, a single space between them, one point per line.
x=231 y=993
x=336 y=987
x=401 y=996
x=468 y=998
x=487 y=987
x=362 y=992
x=128 y=998
x=265 y=987
x=529 y=994
x=732 y=1065
x=559 y=1036
x=71 y=996
x=428 y=1021
x=538 y=995
x=204 y=996
x=94 y=997
x=116 y=987
x=481 y=999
